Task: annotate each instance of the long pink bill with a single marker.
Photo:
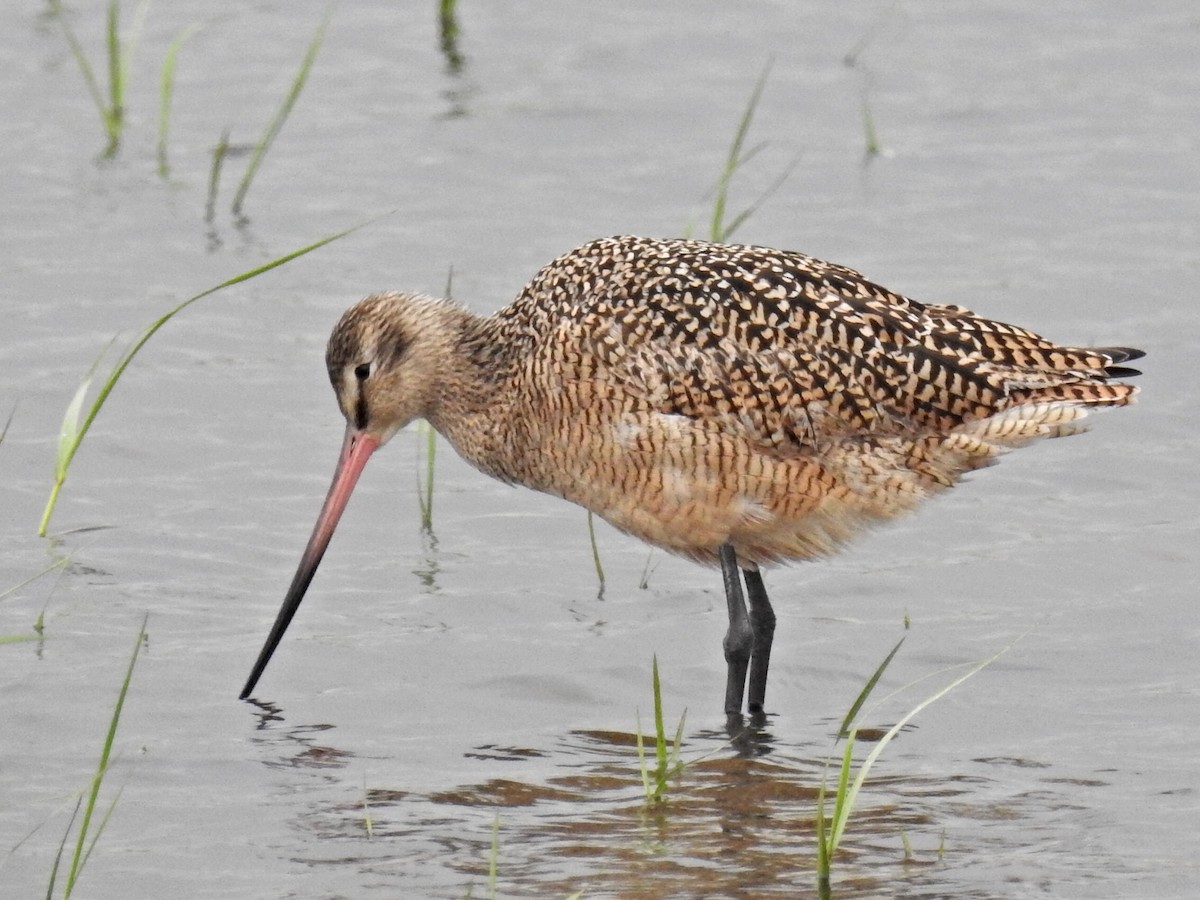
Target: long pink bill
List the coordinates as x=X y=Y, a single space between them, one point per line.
x=356 y=450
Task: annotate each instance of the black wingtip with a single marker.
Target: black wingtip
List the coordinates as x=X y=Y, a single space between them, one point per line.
x=1121 y=354
x=1121 y=372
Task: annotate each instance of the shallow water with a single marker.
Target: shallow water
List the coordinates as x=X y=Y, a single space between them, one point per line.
x=1039 y=166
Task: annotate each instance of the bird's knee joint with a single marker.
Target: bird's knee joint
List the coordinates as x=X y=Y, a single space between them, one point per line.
x=738 y=644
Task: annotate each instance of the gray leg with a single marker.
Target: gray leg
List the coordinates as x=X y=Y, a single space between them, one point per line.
x=739 y=639
x=762 y=621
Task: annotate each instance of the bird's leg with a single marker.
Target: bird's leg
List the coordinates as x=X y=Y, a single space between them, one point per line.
x=762 y=621
x=739 y=639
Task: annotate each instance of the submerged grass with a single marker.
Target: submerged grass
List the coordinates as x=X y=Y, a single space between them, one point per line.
x=36 y=632
x=873 y=147
x=494 y=866
x=368 y=822
x=667 y=762
x=86 y=837
x=281 y=115
x=73 y=430
x=849 y=782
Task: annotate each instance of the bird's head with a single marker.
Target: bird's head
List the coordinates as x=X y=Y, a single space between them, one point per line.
x=384 y=360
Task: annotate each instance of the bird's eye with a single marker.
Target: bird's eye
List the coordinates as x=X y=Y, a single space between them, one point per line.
x=362 y=371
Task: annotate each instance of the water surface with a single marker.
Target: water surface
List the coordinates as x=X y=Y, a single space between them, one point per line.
x=1038 y=165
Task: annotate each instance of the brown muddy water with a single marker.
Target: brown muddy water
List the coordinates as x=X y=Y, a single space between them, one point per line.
x=1039 y=164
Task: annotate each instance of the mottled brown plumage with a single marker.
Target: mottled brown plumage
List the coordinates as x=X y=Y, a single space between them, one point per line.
x=692 y=393
x=733 y=404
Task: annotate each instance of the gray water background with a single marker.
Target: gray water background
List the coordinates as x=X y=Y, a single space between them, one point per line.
x=1039 y=165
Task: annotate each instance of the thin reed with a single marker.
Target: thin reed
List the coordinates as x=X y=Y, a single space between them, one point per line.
x=368 y=822
x=596 y=563
x=281 y=115
x=7 y=422
x=737 y=157
x=84 y=846
x=219 y=152
x=166 y=93
x=428 y=437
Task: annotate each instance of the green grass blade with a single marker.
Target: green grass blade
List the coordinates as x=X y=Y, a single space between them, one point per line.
x=734 y=159
x=647 y=570
x=69 y=430
x=760 y=200
x=865 y=768
x=677 y=747
x=58 y=564
x=448 y=34
x=822 y=839
x=19 y=638
x=85 y=68
x=368 y=822
x=276 y=123
x=166 y=93
x=595 y=551
x=130 y=44
x=116 y=89
x=869 y=133
x=68 y=454
x=642 y=767
x=69 y=435
x=7 y=423
x=100 y=828
x=844 y=729
x=660 y=734
x=220 y=151
x=842 y=804
x=77 y=860
x=425 y=485
x=62 y=846
x=494 y=858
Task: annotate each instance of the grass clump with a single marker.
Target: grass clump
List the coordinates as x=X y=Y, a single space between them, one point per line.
x=850 y=781
x=74 y=430
x=719 y=230
x=666 y=753
x=111 y=103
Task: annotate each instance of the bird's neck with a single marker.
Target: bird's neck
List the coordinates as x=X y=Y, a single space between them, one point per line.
x=473 y=407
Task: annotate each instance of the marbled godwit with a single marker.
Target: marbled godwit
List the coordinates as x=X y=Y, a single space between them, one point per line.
x=736 y=405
